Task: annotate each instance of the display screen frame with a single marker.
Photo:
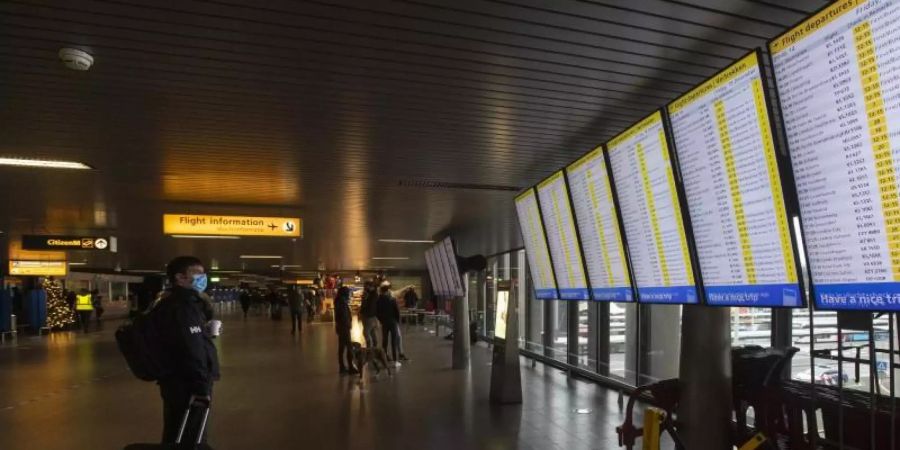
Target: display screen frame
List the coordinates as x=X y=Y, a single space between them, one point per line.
x=682 y=205
x=785 y=172
x=561 y=173
x=534 y=286
x=811 y=285
x=615 y=199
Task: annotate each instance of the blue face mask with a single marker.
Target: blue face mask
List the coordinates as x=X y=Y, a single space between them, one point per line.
x=199 y=283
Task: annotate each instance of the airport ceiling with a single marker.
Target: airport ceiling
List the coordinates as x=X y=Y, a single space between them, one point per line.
x=368 y=119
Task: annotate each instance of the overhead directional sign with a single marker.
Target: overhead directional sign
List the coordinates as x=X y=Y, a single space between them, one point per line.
x=57 y=242
x=38 y=268
x=206 y=225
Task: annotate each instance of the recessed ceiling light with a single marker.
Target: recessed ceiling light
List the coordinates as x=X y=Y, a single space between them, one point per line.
x=260 y=257
x=408 y=241
x=390 y=257
x=202 y=236
x=43 y=163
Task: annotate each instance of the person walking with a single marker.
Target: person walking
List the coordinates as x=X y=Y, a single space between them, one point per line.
x=343 y=322
x=368 y=312
x=97 y=302
x=295 y=300
x=309 y=298
x=410 y=298
x=85 y=308
x=245 y=301
x=388 y=314
x=181 y=319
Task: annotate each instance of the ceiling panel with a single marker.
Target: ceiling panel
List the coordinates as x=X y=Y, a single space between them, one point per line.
x=321 y=108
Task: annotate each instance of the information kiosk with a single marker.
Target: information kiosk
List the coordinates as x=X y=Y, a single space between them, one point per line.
x=836 y=77
x=600 y=228
x=563 y=240
x=506 y=378
x=652 y=214
x=733 y=184
x=529 y=213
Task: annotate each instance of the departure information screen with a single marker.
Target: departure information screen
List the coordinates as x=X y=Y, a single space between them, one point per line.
x=529 y=215
x=435 y=286
x=443 y=270
x=433 y=268
x=598 y=225
x=726 y=154
x=453 y=267
x=651 y=212
x=838 y=78
x=565 y=252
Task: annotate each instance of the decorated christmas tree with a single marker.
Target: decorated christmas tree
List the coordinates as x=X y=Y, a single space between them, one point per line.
x=58 y=312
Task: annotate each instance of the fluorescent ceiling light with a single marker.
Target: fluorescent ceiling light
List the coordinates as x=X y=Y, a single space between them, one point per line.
x=277 y=266
x=43 y=163
x=144 y=270
x=390 y=257
x=260 y=257
x=77 y=263
x=202 y=236
x=381 y=267
x=226 y=271
x=408 y=241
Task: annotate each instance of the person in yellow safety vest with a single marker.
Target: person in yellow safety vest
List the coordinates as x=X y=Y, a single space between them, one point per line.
x=84 y=305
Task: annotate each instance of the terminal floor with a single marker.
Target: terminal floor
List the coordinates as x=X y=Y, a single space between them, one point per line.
x=73 y=391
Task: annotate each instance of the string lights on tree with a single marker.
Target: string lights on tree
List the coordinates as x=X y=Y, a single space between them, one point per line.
x=59 y=315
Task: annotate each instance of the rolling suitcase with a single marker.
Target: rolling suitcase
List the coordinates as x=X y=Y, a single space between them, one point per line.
x=194 y=422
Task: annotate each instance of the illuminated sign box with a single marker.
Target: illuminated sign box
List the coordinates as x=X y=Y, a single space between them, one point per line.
x=38 y=268
x=203 y=225
x=58 y=242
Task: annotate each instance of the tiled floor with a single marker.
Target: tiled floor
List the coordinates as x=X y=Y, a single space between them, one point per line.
x=73 y=391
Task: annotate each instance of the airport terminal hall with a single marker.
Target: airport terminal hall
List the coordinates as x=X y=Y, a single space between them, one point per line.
x=450 y=224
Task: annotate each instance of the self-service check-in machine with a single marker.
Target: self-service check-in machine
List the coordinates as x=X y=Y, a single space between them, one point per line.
x=506 y=379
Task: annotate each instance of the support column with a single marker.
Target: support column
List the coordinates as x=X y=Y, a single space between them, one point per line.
x=705 y=408
x=461 y=343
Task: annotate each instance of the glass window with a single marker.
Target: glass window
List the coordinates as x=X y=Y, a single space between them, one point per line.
x=661 y=341
x=586 y=350
x=517 y=272
x=751 y=326
x=490 y=293
x=534 y=339
x=559 y=333
x=623 y=342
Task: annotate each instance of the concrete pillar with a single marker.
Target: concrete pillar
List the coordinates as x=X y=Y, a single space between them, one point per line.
x=705 y=408
x=461 y=343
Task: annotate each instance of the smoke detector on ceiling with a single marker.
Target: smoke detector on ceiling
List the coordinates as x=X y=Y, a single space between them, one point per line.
x=76 y=59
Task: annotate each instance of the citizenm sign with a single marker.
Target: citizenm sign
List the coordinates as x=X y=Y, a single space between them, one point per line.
x=206 y=225
x=57 y=242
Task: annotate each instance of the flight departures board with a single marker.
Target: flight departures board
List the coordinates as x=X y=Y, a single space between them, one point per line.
x=838 y=80
x=644 y=180
x=599 y=228
x=565 y=250
x=726 y=154
x=536 y=250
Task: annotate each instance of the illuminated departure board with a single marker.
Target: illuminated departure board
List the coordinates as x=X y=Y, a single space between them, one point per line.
x=529 y=215
x=838 y=76
x=598 y=225
x=651 y=212
x=453 y=267
x=431 y=273
x=559 y=224
x=726 y=153
x=438 y=283
x=443 y=269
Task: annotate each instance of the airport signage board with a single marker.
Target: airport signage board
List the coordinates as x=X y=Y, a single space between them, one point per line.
x=59 y=242
x=565 y=249
x=836 y=82
x=212 y=225
x=644 y=179
x=733 y=184
x=528 y=212
x=599 y=227
x=38 y=268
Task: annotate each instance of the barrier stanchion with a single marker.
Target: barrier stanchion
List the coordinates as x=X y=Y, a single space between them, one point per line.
x=652 y=418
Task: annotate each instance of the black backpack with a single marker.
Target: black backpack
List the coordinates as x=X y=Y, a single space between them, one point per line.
x=141 y=344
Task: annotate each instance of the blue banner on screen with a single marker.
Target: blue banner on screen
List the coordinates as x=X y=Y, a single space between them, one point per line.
x=669 y=294
x=545 y=294
x=754 y=295
x=613 y=294
x=574 y=294
x=864 y=296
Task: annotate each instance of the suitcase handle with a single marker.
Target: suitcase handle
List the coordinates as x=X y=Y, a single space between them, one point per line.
x=200 y=402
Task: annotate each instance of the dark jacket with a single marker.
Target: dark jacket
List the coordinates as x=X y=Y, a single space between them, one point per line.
x=369 y=306
x=342 y=320
x=387 y=309
x=181 y=321
x=295 y=299
x=410 y=299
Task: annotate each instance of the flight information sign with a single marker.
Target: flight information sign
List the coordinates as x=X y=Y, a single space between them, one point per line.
x=453 y=267
x=651 y=212
x=723 y=137
x=565 y=252
x=837 y=76
x=599 y=228
x=432 y=274
x=529 y=214
x=442 y=270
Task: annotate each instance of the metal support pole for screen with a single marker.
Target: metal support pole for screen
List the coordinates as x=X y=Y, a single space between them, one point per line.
x=506 y=377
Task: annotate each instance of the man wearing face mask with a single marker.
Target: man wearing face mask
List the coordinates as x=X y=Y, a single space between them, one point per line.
x=181 y=319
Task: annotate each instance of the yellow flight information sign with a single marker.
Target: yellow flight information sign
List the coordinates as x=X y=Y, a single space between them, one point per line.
x=38 y=268
x=723 y=137
x=651 y=212
x=206 y=225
